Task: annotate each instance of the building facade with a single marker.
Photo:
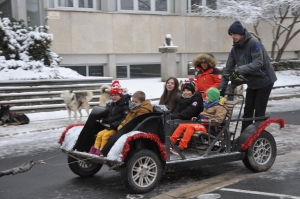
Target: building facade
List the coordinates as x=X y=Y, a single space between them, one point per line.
x=121 y=38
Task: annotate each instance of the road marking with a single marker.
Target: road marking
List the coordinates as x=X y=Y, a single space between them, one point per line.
x=195 y=189
x=259 y=193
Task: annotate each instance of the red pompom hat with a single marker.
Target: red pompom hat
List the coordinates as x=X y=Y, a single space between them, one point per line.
x=116 y=84
x=116 y=91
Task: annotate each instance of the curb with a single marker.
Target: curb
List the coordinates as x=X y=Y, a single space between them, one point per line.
x=284 y=97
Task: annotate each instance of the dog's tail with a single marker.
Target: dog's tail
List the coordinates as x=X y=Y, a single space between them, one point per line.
x=104 y=87
x=88 y=95
x=125 y=91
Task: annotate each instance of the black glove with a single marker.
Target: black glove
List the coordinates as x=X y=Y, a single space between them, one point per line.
x=222 y=92
x=234 y=75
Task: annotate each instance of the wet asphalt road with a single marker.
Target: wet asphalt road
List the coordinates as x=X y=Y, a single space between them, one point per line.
x=55 y=180
x=290 y=117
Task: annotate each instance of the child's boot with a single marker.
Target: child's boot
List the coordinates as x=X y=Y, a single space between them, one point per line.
x=98 y=152
x=92 y=150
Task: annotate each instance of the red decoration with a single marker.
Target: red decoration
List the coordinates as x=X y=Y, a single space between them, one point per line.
x=260 y=128
x=62 y=137
x=149 y=136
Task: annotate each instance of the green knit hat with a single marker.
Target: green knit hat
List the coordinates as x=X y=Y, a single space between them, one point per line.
x=213 y=94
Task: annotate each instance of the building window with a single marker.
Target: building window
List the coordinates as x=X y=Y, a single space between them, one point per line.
x=75 y=4
x=122 y=72
x=88 y=70
x=33 y=12
x=96 y=71
x=192 y=5
x=149 y=70
x=5 y=8
x=86 y=4
x=138 y=71
x=79 y=69
x=191 y=69
x=145 y=5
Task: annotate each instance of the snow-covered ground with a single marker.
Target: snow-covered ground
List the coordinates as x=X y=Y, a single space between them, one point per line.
x=25 y=139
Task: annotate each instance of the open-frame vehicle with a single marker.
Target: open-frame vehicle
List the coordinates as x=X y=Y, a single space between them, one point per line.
x=142 y=154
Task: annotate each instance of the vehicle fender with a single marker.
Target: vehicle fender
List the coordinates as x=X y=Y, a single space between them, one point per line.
x=69 y=137
x=248 y=136
x=123 y=143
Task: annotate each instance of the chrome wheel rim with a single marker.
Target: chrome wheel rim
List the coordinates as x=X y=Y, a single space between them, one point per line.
x=144 y=171
x=262 y=151
x=85 y=166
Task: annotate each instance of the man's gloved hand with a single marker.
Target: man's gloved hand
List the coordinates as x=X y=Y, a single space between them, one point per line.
x=234 y=75
x=222 y=92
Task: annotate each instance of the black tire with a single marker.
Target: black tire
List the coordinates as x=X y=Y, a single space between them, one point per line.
x=83 y=169
x=137 y=165
x=261 y=155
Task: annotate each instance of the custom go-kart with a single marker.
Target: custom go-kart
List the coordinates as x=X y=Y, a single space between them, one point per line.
x=142 y=154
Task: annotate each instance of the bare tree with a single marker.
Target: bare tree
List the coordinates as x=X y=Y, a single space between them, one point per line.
x=275 y=12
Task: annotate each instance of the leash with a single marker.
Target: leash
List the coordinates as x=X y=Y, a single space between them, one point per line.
x=54 y=165
x=28 y=165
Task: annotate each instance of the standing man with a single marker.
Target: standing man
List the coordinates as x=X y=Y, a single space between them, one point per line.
x=249 y=59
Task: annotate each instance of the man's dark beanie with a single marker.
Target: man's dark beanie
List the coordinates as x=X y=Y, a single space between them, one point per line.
x=236 y=28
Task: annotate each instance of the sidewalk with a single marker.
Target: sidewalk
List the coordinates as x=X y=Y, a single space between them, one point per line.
x=36 y=126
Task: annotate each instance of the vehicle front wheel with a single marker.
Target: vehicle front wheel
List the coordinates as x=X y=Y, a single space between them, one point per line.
x=83 y=169
x=142 y=171
x=261 y=155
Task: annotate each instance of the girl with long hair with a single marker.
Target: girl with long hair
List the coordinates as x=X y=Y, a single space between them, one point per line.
x=171 y=94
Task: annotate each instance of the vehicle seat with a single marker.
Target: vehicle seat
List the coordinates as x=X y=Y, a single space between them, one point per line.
x=200 y=137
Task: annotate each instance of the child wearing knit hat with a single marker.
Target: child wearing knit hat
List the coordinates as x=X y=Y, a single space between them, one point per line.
x=116 y=113
x=188 y=88
x=213 y=110
x=190 y=103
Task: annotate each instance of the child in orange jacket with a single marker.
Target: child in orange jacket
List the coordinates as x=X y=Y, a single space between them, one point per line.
x=212 y=110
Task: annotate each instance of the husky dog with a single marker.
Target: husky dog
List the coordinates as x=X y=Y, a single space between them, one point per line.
x=76 y=101
x=8 y=117
x=104 y=97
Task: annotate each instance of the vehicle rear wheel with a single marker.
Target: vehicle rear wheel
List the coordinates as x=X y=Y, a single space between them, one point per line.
x=261 y=155
x=142 y=171
x=83 y=169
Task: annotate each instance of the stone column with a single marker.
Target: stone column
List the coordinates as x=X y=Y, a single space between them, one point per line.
x=168 y=62
x=111 y=68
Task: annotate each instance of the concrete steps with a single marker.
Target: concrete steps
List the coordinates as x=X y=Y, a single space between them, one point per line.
x=44 y=95
x=37 y=95
x=20 y=89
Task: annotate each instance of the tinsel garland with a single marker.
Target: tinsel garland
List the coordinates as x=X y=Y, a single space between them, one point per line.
x=148 y=136
x=62 y=137
x=260 y=128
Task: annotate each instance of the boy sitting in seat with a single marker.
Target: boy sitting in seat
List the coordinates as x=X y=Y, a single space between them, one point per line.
x=213 y=110
x=137 y=106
